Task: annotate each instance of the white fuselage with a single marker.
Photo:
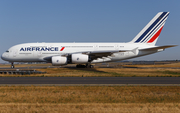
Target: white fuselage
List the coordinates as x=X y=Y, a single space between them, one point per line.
x=39 y=52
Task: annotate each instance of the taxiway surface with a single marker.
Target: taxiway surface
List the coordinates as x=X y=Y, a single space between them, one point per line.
x=89 y=80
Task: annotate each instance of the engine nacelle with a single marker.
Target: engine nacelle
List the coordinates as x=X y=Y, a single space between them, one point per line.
x=79 y=58
x=59 y=60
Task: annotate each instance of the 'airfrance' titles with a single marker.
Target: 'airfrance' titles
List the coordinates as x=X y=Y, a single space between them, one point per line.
x=39 y=49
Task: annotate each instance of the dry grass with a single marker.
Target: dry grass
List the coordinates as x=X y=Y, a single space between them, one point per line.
x=87 y=94
x=98 y=99
x=111 y=72
x=165 y=65
x=90 y=108
x=104 y=72
x=131 y=72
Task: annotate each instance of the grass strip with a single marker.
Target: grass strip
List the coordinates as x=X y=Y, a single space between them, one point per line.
x=90 y=107
x=90 y=94
x=111 y=99
x=102 y=72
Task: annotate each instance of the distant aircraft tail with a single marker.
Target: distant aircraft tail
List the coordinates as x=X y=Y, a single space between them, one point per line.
x=150 y=33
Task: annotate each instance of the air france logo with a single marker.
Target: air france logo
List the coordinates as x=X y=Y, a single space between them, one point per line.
x=62 y=48
x=39 y=49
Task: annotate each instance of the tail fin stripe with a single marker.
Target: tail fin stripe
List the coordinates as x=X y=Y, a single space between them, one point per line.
x=153 y=33
x=155 y=36
x=155 y=28
x=157 y=20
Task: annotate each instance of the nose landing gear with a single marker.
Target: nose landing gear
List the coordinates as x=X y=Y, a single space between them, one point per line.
x=12 y=65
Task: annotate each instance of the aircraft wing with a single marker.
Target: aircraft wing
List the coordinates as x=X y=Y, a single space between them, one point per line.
x=156 y=48
x=92 y=54
x=100 y=54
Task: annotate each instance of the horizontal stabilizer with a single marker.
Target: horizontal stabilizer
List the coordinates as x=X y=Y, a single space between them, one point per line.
x=156 y=48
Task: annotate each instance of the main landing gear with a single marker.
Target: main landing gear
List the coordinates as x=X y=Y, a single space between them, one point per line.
x=84 y=66
x=89 y=66
x=12 y=65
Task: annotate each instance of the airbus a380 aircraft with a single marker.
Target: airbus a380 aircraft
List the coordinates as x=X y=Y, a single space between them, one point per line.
x=85 y=54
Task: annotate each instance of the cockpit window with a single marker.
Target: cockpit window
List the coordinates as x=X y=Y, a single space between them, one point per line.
x=7 y=51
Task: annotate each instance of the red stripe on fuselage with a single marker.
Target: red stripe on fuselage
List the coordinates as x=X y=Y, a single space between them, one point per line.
x=155 y=36
x=62 y=48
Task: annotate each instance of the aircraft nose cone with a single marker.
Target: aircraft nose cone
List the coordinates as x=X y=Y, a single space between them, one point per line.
x=4 y=56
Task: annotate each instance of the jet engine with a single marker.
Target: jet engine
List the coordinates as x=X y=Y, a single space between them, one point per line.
x=79 y=58
x=59 y=60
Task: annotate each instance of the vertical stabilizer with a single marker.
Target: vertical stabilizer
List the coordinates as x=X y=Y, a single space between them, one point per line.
x=150 y=33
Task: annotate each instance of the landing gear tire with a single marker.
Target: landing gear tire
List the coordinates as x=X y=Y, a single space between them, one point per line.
x=80 y=66
x=84 y=66
x=12 y=65
x=89 y=66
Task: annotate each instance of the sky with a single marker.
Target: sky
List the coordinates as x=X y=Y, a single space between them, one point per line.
x=24 y=21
